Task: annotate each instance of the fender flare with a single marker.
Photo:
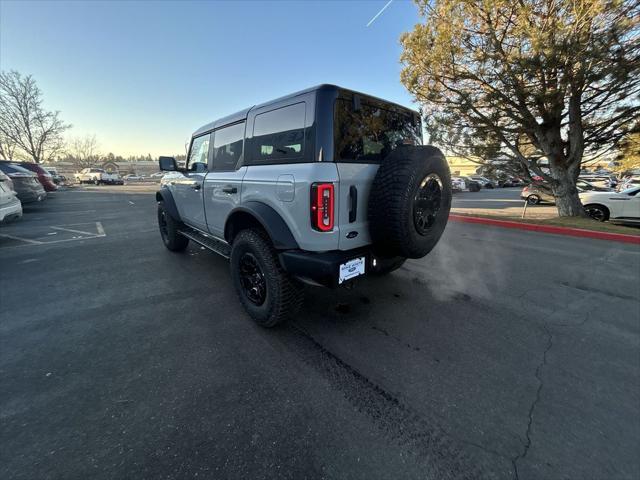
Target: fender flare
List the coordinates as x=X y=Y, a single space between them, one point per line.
x=164 y=195
x=268 y=218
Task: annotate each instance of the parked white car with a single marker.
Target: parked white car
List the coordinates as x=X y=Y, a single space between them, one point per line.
x=97 y=176
x=10 y=205
x=458 y=184
x=621 y=206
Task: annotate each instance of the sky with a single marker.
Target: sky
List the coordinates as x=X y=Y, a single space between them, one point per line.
x=143 y=75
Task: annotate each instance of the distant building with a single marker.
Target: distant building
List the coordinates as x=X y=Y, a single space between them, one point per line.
x=462 y=166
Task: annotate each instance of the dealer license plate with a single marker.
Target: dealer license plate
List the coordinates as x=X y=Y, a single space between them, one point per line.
x=351 y=269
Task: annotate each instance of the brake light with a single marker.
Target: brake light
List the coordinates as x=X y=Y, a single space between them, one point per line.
x=322 y=201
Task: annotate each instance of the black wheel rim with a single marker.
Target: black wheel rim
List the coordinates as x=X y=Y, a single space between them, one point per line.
x=426 y=203
x=595 y=213
x=252 y=279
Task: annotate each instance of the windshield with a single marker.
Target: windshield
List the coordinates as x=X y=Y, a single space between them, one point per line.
x=369 y=133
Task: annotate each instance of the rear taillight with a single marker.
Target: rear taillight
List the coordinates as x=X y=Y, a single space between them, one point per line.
x=322 y=200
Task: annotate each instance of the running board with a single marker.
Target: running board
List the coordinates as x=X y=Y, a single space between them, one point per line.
x=207 y=241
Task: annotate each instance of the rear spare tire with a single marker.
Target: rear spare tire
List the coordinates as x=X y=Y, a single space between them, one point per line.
x=409 y=202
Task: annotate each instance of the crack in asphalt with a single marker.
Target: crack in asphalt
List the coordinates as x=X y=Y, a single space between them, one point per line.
x=397 y=339
x=523 y=454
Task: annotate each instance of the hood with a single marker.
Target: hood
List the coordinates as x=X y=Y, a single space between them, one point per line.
x=592 y=193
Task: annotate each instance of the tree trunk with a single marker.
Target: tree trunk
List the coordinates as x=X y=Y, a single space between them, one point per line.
x=566 y=194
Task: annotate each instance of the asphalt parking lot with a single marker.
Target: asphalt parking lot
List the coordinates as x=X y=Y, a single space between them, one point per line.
x=502 y=354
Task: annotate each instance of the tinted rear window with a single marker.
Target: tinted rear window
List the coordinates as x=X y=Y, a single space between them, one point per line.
x=9 y=168
x=278 y=135
x=370 y=133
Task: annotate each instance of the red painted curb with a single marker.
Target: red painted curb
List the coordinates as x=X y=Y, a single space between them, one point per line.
x=573 y=232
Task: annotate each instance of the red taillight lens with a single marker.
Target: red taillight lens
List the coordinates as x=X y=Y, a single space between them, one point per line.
x=322 y=199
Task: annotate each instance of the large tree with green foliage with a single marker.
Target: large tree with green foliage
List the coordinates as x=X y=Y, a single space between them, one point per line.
x=529 y=81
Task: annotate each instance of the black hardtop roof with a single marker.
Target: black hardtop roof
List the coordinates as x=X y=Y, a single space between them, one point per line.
x=242 y=114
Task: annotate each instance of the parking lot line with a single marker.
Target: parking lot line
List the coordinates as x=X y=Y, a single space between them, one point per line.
x=73 y=231
x=83 y=235
x=35 y=242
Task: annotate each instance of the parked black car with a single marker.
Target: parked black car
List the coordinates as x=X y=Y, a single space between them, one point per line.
x=25 y=183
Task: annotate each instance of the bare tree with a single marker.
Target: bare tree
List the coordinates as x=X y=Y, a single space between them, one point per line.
x=24 y=121
x=84 y=151
x=7 y=147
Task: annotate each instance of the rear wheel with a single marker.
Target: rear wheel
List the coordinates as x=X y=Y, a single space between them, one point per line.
x=597 y=212
x=267 y=292
x=169 y=231
x=96 y=181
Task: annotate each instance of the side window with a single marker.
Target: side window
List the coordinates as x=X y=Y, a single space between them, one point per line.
x=227 y=146
x=278 y=135
x=199 y=154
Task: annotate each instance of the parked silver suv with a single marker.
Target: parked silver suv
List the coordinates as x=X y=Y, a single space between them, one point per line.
x=318 y=187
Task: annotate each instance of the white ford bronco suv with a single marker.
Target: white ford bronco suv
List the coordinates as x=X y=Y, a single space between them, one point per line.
x=318 y=187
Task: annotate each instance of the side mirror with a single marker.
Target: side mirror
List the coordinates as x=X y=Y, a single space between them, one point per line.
x=168 y=164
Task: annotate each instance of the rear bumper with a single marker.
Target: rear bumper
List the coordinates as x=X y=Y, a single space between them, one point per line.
x=11 y=210
x=28 y=196
x=322 y=268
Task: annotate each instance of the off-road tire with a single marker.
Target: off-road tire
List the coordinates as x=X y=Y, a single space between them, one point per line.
x=169 y=230
x=392 y=222
x=284 y=294
x=384 y=266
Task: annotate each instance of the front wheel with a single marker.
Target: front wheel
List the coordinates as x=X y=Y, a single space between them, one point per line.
x=267 y=292
x=96 y=181
x=597 y=212
x=169 y=231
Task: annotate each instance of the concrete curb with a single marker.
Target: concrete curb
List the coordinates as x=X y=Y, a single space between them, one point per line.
x=573 y=232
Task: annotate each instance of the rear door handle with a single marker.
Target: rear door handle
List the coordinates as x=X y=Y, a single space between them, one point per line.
x=229 y=189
